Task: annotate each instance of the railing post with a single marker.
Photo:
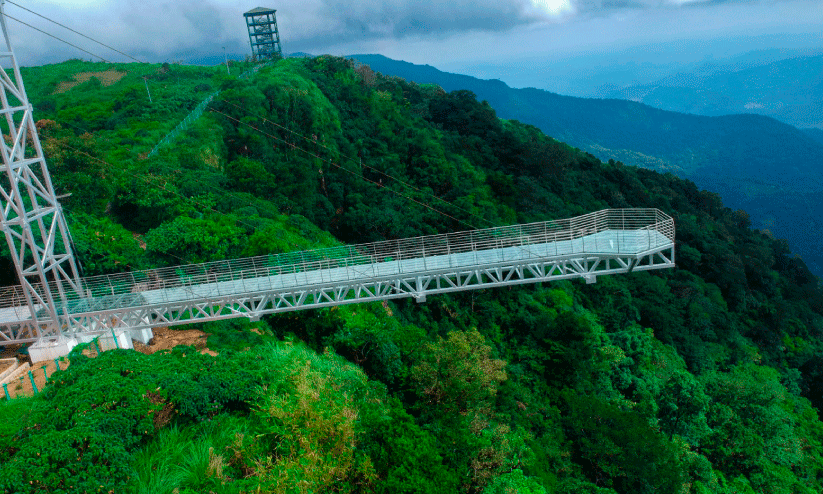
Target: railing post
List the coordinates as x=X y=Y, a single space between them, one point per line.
x=622 y=228
x=6 y=390
x=498 y=245
x=474 y=246
x=33 y=385
x=349 y=262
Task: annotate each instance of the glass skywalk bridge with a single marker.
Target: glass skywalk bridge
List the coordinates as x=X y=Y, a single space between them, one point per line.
x=601 y=243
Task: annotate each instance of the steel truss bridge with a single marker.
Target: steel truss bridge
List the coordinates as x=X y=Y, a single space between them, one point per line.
x=605 y=242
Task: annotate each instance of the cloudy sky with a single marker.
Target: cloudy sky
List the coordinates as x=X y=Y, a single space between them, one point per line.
x=480 y=37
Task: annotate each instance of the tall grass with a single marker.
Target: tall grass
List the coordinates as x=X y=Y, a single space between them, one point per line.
x=185 y=459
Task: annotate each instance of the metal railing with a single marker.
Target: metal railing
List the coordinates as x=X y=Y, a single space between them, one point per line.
x=632 y=228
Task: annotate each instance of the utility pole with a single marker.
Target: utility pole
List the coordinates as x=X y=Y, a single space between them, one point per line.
x=227 y=60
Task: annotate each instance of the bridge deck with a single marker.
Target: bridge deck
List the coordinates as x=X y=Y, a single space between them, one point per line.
x=605 y=243
x=601 y=243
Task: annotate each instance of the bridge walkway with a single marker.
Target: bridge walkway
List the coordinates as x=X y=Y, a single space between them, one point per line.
x=601 y=243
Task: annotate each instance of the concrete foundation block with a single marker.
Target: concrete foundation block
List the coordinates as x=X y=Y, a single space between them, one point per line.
x=142 y=335
x=50 y=348
x=107 y=340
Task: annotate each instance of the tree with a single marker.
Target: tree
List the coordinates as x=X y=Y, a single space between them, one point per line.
x=103 y=246
x=619 y=449
x=681 y=407
x=187 y=240
x=514 y=482
x=457 y=373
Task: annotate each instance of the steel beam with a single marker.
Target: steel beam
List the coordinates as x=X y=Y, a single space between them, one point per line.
x=32 y=219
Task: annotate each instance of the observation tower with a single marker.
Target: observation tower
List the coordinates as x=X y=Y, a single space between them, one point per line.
x=263 y=35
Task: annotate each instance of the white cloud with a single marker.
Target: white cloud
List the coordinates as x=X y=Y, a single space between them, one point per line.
x=163 y=30
x=685 y=2
x=554 y=8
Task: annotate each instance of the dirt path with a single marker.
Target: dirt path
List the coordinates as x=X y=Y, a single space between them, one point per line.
x=106 y=78
x=165 y=339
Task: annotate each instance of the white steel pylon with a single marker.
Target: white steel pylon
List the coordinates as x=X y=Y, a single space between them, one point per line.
x=32 y=219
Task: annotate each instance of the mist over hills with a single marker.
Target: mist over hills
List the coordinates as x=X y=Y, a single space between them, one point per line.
x=790 y=90
x=768 y=168
x=597 y=73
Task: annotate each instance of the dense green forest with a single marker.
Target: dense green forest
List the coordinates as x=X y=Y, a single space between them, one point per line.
x=706 y=378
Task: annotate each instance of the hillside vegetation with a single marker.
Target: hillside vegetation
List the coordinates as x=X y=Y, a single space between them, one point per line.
x=702 y=379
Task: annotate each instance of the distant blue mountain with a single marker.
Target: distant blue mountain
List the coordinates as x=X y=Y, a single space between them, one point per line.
x=789 y=90
x=772 y=170
x=816 y=134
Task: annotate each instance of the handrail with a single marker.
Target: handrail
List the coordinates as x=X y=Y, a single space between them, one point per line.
x=351 y=256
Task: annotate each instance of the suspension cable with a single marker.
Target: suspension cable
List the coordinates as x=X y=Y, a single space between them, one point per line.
x=75 y=32
x=55 y=37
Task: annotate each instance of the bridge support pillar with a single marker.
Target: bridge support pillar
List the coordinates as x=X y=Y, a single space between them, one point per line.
x=421 y=291
x=590 y=278
x=53 y=347
x=142 y=335
x=108 y=339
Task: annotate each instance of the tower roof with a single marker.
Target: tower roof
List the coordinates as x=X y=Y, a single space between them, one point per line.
x=260 y=10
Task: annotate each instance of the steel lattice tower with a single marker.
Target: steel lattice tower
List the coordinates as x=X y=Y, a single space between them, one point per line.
x=263 y=35
x=32 y=219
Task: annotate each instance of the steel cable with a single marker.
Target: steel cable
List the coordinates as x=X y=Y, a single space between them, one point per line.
x=74 y=31
x=55 y=37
